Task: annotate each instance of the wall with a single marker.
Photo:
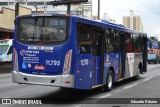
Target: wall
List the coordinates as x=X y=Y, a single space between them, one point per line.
x=7 y=17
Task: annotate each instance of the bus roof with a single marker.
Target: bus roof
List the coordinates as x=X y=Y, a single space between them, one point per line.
x=107 y=24
x=102 y=23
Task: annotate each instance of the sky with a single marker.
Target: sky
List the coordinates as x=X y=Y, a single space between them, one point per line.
x=149 y=10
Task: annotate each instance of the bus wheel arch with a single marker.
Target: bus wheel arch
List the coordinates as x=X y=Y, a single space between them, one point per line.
x=109 y=80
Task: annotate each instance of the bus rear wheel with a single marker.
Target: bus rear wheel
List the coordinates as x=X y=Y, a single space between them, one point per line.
x=109 y=82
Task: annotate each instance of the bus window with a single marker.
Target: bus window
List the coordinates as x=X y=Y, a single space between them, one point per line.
x=10 y=50
x=117 y=41
x=138 y=43
x=97 y=40
x=3 y=49
x=109 y=41
x=84 y=38
x=129 y=45
x=42 y=29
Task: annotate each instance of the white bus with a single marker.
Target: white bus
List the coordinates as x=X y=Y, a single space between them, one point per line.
x=6 y=50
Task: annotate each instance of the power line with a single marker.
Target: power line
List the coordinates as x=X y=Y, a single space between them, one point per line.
x=145 y=5
x=129 y=10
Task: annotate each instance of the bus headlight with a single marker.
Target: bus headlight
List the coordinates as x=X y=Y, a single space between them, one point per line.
x=67 y=62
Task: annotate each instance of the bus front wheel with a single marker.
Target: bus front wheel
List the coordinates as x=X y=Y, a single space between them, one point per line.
x=109 y=82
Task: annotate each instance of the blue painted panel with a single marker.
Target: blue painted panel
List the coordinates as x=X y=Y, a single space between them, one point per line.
x=85 y=76
x=96 y=72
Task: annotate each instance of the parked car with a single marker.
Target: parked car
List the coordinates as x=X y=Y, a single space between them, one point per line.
x=153 y=58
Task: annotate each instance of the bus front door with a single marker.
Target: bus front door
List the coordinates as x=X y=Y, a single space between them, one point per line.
x=98 y=59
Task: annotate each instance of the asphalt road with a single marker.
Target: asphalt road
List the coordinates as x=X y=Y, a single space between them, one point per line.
x=146 y=87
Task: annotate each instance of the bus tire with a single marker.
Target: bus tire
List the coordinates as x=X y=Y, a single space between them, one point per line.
x=109 y=82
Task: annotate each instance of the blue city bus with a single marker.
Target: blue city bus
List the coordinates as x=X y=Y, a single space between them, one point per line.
x=73 y=52
x=153 y=43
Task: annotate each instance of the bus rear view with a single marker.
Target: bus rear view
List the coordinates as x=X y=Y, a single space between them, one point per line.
x=74 y=52
x=42 y=50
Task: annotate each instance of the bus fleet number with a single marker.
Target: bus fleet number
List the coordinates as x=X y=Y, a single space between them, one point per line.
x=53 y=62
x=84 y=62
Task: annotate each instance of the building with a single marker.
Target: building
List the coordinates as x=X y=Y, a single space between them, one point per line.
x=133 y=22
x=7 y=17
x=7 y=13
x=106 y=17
x=83 y=9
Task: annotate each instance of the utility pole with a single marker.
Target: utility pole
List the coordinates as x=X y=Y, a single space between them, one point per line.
x=98 y=9
x=68 y=8
x=44 y=6
x=16 y=9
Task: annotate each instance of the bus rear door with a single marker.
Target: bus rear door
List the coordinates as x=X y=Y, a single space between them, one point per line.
x=98 y=60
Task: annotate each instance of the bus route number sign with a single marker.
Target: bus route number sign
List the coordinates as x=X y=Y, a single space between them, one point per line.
x=57 y=23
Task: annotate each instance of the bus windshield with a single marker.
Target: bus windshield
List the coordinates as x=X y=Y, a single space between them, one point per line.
x=42 y=29
x=3 y=49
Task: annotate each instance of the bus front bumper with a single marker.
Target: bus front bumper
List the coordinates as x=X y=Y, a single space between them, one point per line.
x=58 y=80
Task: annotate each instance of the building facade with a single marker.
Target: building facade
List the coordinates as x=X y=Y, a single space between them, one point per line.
x=7 y=17
x=7 y=12
x=133 y=22
x=83 y=9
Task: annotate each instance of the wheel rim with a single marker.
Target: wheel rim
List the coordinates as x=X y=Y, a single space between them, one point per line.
x=110 y=81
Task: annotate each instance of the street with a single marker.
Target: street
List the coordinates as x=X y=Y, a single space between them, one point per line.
x=146 y=87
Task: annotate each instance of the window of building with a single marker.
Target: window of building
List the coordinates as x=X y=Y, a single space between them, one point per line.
x=3 y=3
x=48 y=3
x=35 y=3
x=22 y=3
x=11 y=3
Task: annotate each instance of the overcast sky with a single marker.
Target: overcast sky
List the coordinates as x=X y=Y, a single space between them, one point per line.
x=149 y=10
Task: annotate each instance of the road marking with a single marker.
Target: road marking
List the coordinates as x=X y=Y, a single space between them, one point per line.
x=99 y=98
x=130 y=86
x=107 y=95
x=148 y=78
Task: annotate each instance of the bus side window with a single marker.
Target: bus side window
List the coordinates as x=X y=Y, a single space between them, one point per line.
x=84 y=38
x=128 y=43
x=109 y=41
x=10 y=50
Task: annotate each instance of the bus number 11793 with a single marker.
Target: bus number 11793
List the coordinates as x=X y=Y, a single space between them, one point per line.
x=53 y=62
